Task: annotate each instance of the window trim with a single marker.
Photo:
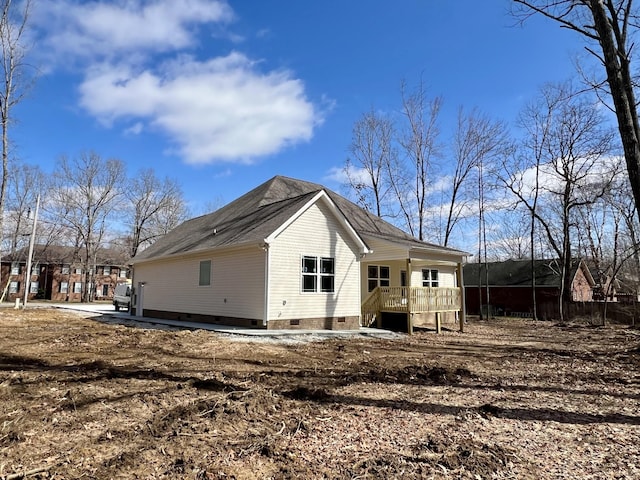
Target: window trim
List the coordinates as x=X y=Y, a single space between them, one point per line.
x=378 y=279
x=431 y=279
x=318 y=275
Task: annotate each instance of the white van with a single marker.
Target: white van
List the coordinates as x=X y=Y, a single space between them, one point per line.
x=122 y=296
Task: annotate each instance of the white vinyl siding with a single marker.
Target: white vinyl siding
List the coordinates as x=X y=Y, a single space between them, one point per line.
x=315 y=233
x=237 y=284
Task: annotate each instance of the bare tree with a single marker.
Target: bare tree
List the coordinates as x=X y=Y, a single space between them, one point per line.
x=24 y=184
x=154 y=207
x=371 y=154
x=574 y=166
x=477 y=139
x=419 y=140
x=83 y=198
x=13 y=22
x=608 y=27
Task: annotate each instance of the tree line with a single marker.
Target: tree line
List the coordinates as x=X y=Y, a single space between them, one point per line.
x=572 y=184
x=553 y=185
x=90 y=203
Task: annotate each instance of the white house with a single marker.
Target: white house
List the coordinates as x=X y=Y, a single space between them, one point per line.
x=293 y=254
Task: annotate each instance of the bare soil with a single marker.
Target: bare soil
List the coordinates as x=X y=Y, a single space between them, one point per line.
x=511 y=399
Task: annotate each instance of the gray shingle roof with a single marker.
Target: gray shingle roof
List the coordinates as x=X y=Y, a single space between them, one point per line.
x=258 y=213
x=517 y=273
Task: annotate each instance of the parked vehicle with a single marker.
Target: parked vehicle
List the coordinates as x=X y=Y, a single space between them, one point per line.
x=122 y=296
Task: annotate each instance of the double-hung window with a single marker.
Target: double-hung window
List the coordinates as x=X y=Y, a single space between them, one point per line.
x=429 y=278
x=377 y=276
x=318 y=274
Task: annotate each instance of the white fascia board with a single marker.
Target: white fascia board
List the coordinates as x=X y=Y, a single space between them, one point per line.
x=322 y=195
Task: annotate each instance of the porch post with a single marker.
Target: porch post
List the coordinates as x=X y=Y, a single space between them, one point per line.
x=409 y=318
x=463 y=308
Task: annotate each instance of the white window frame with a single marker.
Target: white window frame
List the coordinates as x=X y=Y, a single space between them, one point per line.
x=14 y=286
x=64 y=287
x=320 y=271
x=65 y=270
x=77 y=287
x=15 y=268
x=430 y=277
x=380 y=281
x=33 y=287
x=123 y=273
x=106 y=270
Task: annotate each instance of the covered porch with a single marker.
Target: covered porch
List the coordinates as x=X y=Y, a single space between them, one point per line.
x=422 y=283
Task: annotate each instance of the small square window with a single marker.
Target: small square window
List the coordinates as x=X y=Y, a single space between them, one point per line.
x=372 y=272
x=327 y=282
x=309 y=264
x=77 y=271
x=65 y=270
x=15 y=269
x=106 y=270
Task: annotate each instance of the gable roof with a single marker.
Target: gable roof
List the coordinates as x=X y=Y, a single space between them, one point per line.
x=259 y=213
x=517 y=273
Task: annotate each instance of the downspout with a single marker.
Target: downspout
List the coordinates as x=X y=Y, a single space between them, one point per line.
x=267 y=260
x=462 y=313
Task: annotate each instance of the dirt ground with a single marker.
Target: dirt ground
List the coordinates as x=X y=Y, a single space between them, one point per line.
x=80 y=398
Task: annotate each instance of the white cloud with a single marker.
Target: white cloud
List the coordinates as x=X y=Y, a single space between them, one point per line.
x=94 y=29
x=219 y=110
x=136 y=67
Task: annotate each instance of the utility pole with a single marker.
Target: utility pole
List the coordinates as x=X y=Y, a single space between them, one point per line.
x=27 y=275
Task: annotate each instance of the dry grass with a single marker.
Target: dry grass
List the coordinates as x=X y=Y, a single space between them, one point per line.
x=509 y=399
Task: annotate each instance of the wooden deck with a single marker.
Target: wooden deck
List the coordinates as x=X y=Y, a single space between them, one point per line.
x=410 y=300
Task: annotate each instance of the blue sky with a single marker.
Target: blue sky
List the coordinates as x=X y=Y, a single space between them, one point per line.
x=224 y=95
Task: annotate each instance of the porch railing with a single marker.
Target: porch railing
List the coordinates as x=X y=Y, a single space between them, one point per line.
x=419 y=299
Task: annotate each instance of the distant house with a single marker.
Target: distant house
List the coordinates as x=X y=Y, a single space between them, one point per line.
x=294 y=254
x=617 y=287
x=509 y=285
x=57 y=274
